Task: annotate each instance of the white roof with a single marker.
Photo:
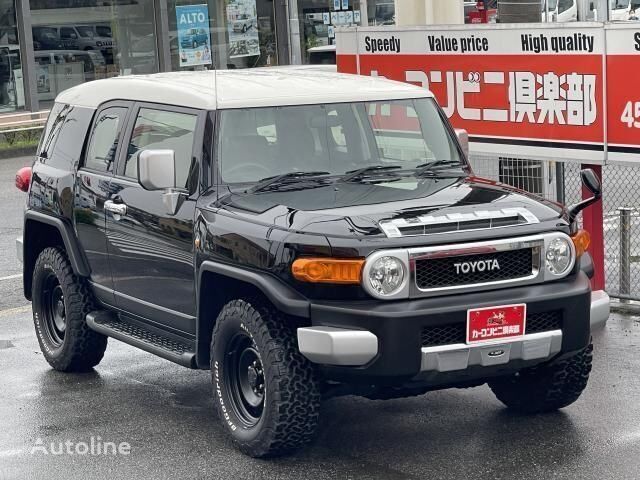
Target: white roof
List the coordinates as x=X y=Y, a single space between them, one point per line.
x=253 y=87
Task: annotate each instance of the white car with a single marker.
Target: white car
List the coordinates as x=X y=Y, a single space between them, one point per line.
x=560 y=11
x=620 y=10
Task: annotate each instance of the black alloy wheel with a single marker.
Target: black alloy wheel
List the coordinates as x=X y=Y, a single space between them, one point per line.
x=245 y=377
x=53 y=310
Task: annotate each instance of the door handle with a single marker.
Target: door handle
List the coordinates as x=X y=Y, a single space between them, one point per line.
x=115 y=208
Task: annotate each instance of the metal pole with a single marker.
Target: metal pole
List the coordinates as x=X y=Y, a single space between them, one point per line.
x=593 y=220
x=625 y=250
x=162 y=35
x=560 y=196
x=29 y=75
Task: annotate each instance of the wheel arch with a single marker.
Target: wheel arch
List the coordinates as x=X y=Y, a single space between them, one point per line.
x=42 y=231
x=219 y=283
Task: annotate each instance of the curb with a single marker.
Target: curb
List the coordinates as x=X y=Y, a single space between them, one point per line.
x=632 y=308
x=18 y=152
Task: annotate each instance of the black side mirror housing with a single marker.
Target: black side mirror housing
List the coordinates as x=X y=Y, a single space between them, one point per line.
x=591 y=181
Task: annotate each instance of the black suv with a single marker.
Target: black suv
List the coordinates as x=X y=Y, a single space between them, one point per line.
x=303 y=234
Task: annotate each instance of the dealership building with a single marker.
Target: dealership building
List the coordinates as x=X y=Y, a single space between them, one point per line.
x=47 y=46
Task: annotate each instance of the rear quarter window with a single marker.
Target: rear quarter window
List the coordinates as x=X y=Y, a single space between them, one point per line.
x=64 y=136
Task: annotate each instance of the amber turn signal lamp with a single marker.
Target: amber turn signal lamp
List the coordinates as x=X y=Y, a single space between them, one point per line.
x=328 y=270
x=581 y=240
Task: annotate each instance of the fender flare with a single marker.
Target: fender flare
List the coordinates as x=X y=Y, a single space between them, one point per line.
x=76 y=255
x=283 y=297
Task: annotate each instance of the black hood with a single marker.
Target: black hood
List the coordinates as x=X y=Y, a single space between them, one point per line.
x=355 y=209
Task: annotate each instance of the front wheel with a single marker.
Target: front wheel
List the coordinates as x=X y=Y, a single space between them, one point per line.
x=266 y=393
x=546 y=388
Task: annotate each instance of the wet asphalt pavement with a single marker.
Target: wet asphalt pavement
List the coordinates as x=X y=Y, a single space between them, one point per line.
x=165 y=414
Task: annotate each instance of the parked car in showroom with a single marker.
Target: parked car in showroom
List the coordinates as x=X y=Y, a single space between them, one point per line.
x=48 y=38
x=243 y=23
x=303 y=234
x=194 y=37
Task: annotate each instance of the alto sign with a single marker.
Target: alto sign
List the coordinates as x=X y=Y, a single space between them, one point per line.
x=550 y=91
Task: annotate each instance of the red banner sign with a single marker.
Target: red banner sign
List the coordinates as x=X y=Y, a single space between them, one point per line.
x=538 y=91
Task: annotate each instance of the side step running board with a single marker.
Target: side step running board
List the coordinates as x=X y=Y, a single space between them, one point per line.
x=166 y=347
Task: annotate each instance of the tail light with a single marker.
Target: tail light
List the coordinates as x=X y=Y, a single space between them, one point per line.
x=23 y=179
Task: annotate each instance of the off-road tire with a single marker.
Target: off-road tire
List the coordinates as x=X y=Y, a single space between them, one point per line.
x=291 y=390
x=546 y=388
x=81 y=349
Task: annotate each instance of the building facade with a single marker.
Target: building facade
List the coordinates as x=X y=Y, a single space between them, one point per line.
x=47 y=46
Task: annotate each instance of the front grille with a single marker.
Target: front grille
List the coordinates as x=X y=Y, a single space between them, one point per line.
x=544 y=322
x=456 y=332
x=442 y=272
x=444 y=335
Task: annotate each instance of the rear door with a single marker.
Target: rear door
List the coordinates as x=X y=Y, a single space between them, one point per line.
x=93 y=188
x=151 y=252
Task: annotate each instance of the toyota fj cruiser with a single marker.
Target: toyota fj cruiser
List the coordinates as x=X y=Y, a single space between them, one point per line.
x=303 y=234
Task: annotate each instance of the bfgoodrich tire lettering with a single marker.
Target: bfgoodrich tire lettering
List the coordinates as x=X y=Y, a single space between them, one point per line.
x=288 y=415
x=546 y=388
x=60 y=302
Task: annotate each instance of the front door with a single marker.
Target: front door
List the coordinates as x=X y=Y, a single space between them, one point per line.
x=151 y=252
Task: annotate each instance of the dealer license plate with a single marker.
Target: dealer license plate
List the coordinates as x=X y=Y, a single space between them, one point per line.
x=496 y=323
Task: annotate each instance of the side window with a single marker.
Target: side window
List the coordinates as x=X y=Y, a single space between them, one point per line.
x=63 y=138
x=51 y=130
x=564 y=5
x=104 y=139
x=68 y=33
x=161 y=129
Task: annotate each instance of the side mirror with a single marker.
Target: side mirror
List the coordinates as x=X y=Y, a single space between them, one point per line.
x=157 y=169
x=463 y=140
x=591 y=181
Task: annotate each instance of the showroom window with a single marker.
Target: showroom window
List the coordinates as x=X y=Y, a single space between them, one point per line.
x=11 y=84
x=381 y=12
x=318 y=20
x=224 y=33
x=75 y=42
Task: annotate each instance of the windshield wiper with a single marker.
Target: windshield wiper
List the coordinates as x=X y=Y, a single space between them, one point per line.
x=431 y=167
x=278 y=179
x=361 y=172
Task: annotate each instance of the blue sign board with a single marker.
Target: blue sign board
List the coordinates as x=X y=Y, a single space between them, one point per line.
x=194 y=39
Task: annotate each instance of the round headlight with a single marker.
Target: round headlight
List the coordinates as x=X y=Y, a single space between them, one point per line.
x=386 y=275
x=558 y=256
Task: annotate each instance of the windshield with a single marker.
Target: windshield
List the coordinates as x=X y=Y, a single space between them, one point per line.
x=619 y=4
x=257 y=143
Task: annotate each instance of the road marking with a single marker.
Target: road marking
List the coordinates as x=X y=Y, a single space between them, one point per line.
x=11 y=452
x=11 y=311
x=11 y=277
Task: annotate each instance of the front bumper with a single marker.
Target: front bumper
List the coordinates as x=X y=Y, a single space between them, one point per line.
x=380 y=342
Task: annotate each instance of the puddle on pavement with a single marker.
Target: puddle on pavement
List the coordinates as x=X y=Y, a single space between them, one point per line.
x=6 y=344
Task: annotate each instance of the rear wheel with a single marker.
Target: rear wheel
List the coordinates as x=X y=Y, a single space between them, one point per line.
x=266 y=393
x=546 y=388
x=61 y=301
